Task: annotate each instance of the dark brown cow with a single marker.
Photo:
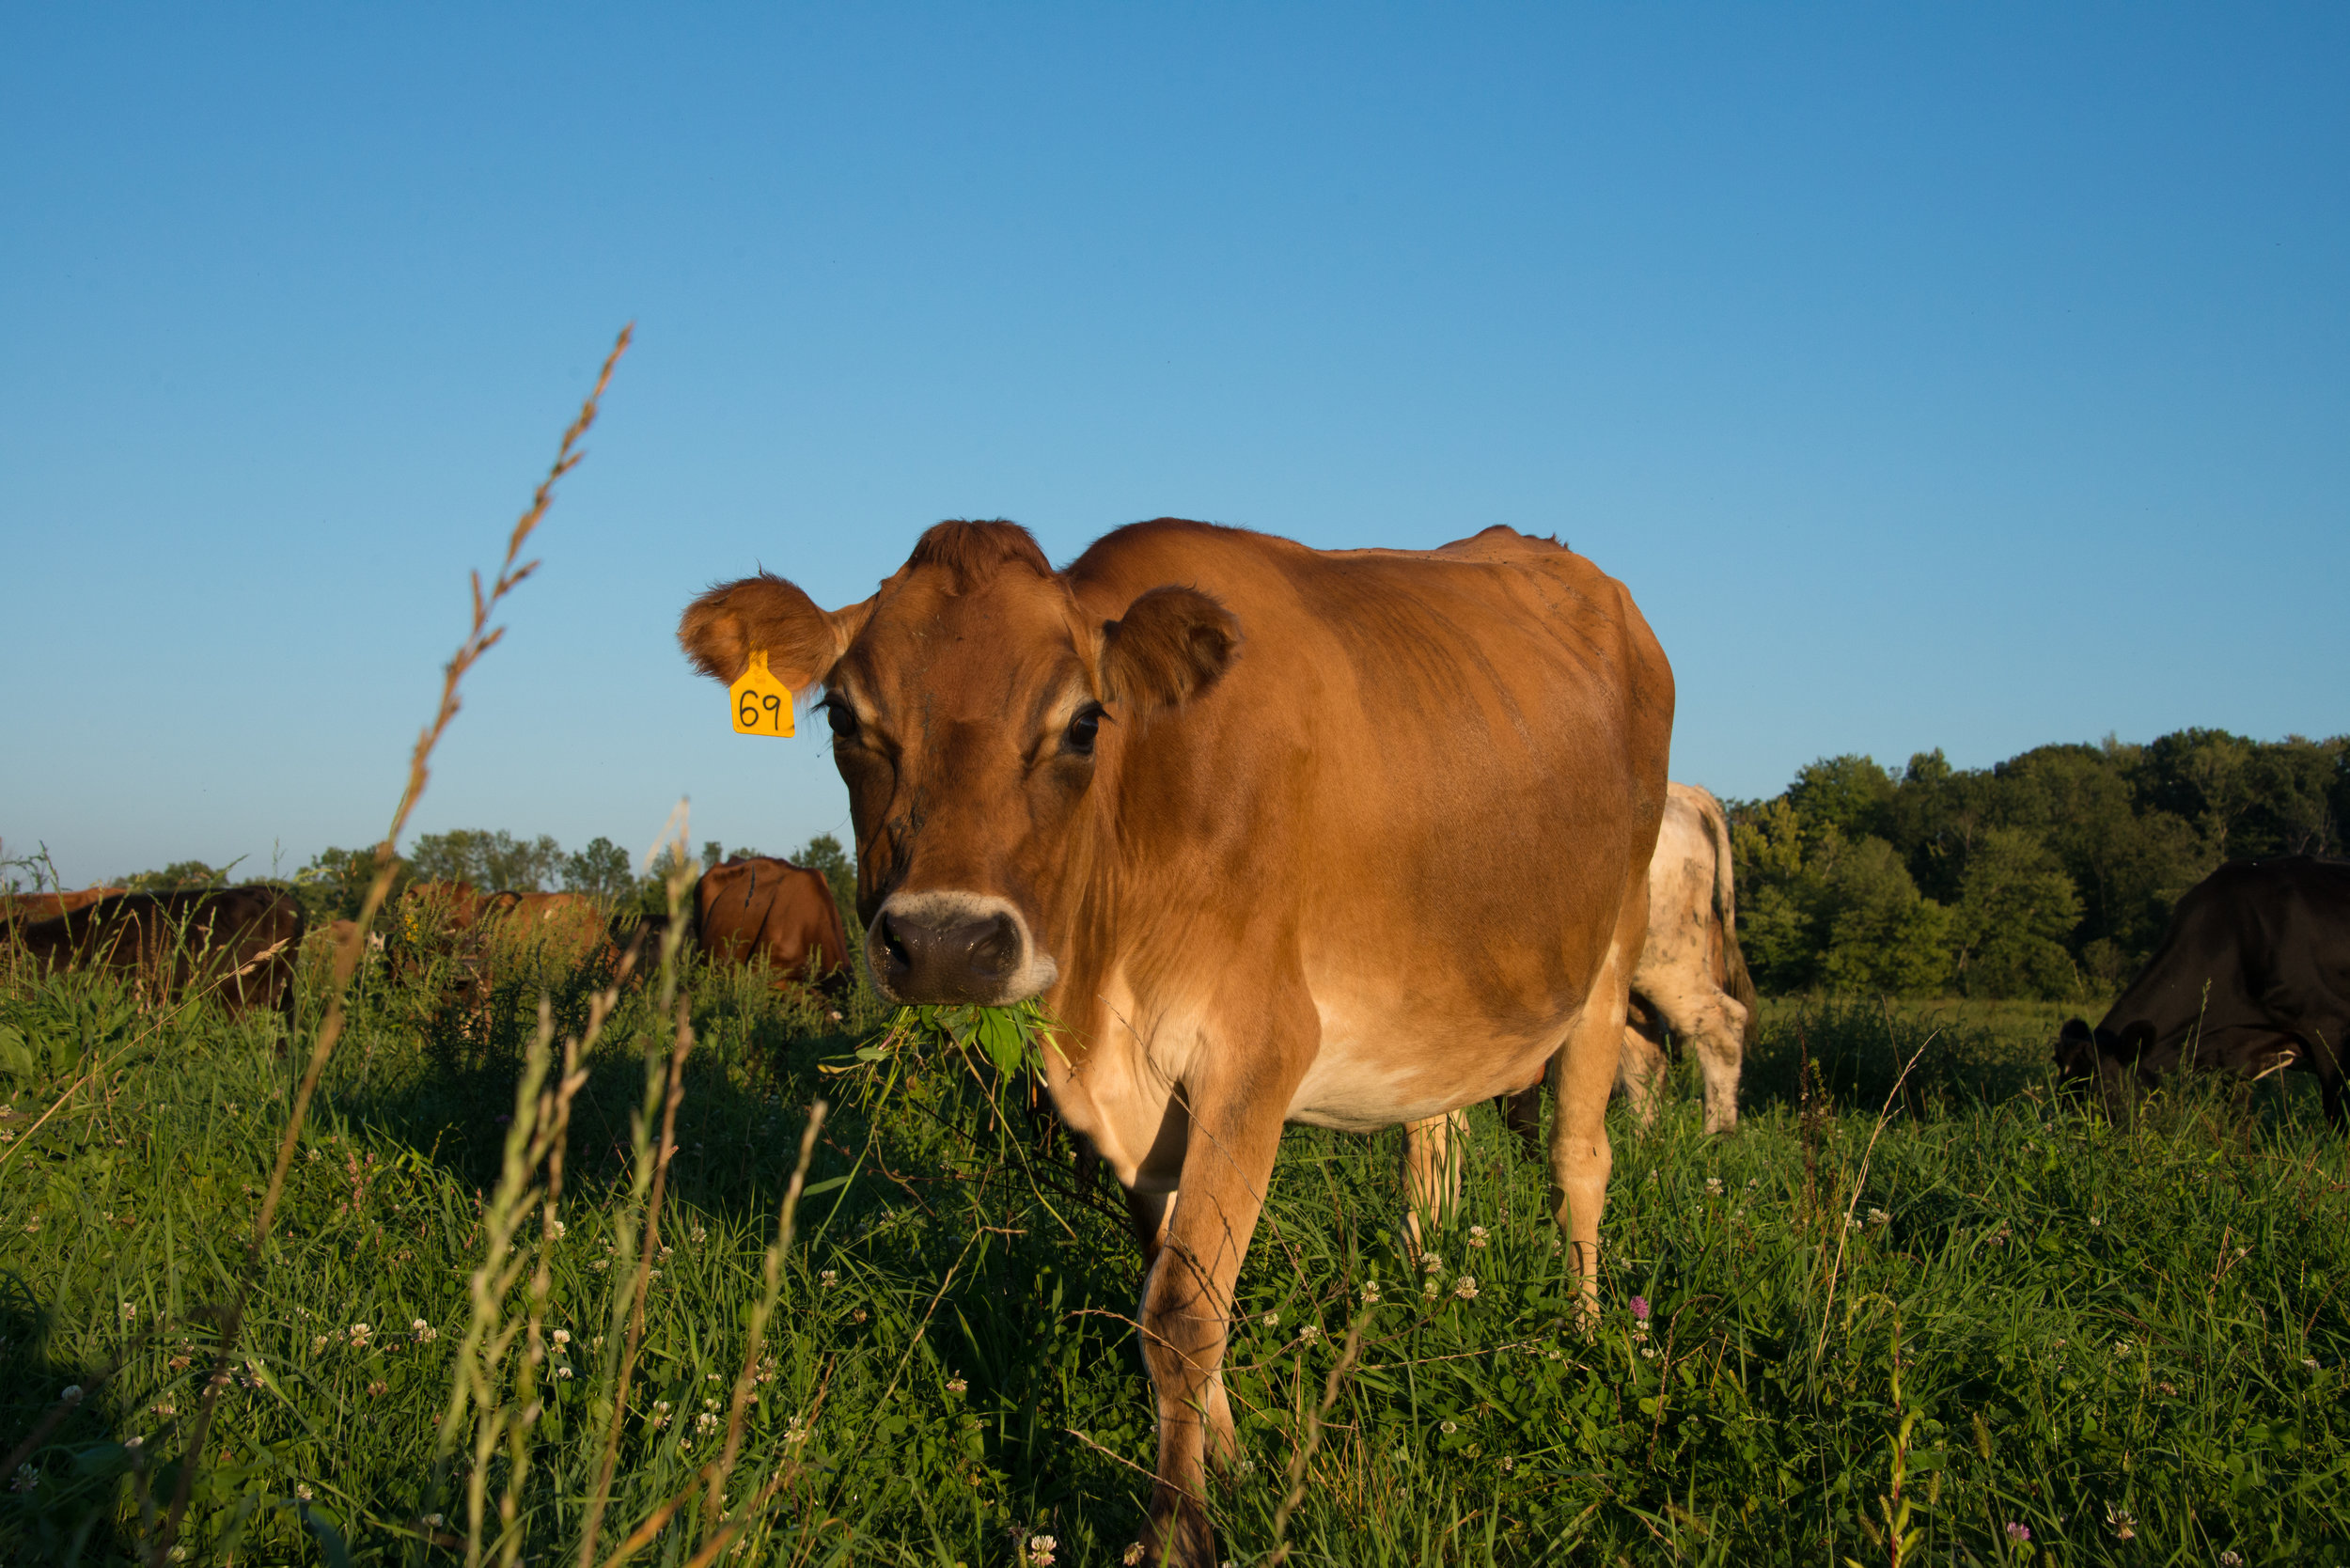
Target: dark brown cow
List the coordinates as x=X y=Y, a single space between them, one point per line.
x=756 y=906
x=2252 y=977
x=1348 y=838
x=241 y=944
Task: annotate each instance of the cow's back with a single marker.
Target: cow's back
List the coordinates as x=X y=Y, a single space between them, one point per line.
x=2257 y=945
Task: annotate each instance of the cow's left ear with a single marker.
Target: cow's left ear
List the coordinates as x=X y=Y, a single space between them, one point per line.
x=1172 y=644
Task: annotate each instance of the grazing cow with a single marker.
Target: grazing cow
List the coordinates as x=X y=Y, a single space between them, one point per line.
x=241 y=944
x=756 y=905
x=1691 y=981
x=2252 y=975
x=1344 y=838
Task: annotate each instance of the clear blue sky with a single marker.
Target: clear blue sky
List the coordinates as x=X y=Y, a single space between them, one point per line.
x=1935 y=375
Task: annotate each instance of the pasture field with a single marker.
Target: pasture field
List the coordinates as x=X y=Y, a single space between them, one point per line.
x=1904 y=1339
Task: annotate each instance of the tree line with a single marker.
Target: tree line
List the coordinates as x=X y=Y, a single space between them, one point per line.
x=2048 y=875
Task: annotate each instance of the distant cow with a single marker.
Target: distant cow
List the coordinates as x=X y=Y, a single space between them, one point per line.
x=757 y=905
x=1691 y=981
x=241 y=944
x=2252 y=975
x=25 y=908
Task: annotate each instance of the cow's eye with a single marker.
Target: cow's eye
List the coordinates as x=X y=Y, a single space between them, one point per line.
x=1078 y=738
x=840 y=717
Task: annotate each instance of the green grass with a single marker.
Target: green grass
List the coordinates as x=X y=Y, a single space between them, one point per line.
x=2088 y=1320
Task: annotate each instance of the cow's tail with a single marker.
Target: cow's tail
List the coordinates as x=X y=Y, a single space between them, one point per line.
x=1736 y=980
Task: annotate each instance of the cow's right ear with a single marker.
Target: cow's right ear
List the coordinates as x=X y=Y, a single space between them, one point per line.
x=2071 y=1038
x=722 y=628
x=1172 y=643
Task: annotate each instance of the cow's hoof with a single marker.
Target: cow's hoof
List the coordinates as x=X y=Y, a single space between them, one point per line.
x=1176 y=1534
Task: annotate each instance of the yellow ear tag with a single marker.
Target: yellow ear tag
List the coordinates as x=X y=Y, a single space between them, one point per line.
x=763 y=704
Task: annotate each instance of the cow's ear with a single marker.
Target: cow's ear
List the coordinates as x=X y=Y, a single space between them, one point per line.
x=1172 y=644
x=2136 y=1039
x=722 y=628
x=2073 y=1036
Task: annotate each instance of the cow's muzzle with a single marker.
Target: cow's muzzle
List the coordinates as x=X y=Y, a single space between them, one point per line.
x=951 y=947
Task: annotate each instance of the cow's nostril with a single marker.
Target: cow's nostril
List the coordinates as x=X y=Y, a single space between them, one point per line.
x=894 y=945
x=998 y=950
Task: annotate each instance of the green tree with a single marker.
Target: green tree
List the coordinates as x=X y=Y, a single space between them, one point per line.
x=334 y=886
x=1850 y=794
x=601 y=871
x=2016 y=908
x=825 y=853
x=1881 y=936
x=180 y=876
x=489 y=861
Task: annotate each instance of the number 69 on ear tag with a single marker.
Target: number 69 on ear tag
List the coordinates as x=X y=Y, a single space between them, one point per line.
x=763 y=704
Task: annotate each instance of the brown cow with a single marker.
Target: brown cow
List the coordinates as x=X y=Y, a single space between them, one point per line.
x=241 y=944
x=25 y=908
x=1345 y=838
x=1691 y=980
x=756 y=905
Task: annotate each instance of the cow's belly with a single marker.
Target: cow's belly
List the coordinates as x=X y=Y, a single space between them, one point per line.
x=1376 y=1071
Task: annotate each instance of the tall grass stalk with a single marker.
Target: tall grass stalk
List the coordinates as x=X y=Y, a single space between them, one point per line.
x=479 y=639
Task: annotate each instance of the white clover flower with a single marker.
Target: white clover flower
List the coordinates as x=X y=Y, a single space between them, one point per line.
x=302 y=1491
x=562 y=1336
x=2122 y=1522
x=1878 y=1217
x=423 y=1332
x=2096 y=1220
x=71 y=1394
x=2230 y=1560
x=557 y=1230
x=2121 y=1347
x=1432 y=1262
x=562 y=1373
x=829 y=1279
x=1448 y=1426
x=957 y=1386
x=1478 y=1234
x=1308 y=1334
x=1370 y=1293
x=27 y=1479
x=601 y=1264
x=1507 y=1463
x=1432 y=1290
x=1754 y=1181
x=697 y=1235
x=1273 y=1320
x=129 y=1311
x=1712 y=1186
x=1133 y=1554
x=795 y=1432
x=317 y=1345
x=1040 y=1549
x=2310 y=1361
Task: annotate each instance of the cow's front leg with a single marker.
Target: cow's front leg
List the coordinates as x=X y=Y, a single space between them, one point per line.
x=1186 y=1307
